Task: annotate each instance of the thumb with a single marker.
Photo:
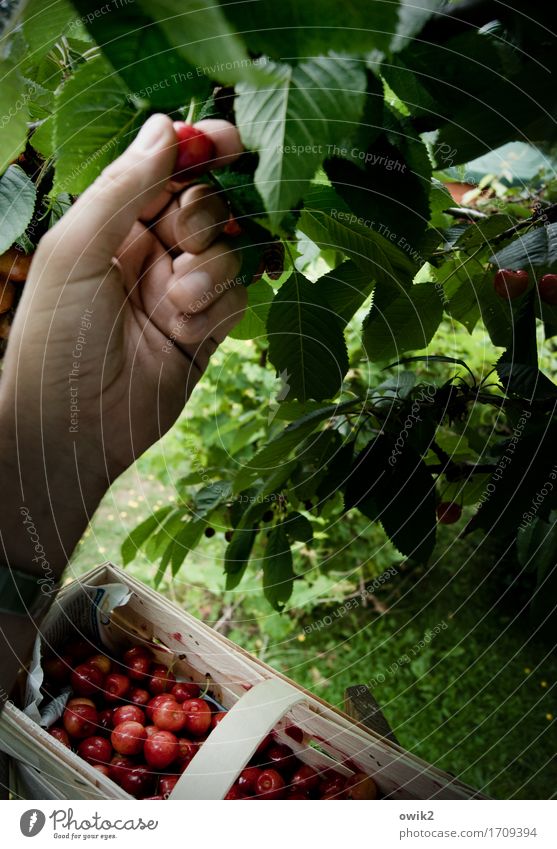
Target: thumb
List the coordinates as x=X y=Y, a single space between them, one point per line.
x=97 y=224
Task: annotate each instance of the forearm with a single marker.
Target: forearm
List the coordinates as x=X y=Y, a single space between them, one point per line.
x=42 y=519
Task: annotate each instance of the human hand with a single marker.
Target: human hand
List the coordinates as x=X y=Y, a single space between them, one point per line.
x=128 y=296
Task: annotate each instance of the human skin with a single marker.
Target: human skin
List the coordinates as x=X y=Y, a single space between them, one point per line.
x=128 y=296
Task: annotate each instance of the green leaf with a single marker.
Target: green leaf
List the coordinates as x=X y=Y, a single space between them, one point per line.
x=344 y=289
x=237 y=556
x=411 y=18
x=142 y=532
x=393 y=485
x=306 y=342
x=328 y=221
x=298 y=527
x=391 y=190
x=483 y=231
x=94 y=122
x=17 y=204
x=406 y=323
x=44 y=24
x=275 y=453
x=200 y=32
x=294 y=121
x=143 y=55
x=278 y=574
x=185 y=541
x=14 y=113
x=534 y=251
x=312 y=28
x=209 y=497
x=252 y=325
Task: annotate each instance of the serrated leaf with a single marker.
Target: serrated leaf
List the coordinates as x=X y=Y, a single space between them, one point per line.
x=536 y=250
x=200 y=31
x=209 y=497
x=44 y=24
x=14 y=113
x=94 y=122
x=482 y=231
x=139 y=49
x=278 y=573
x=141 y=533
x=17 y=204
x=306 y=342
x=185 y=541
x=294 y=120
x=253 y=323
x=406 y=323
x=411 y=18
x=344 y=289
x=237 y=556
x=393 y=486
x=309 y=29
x=275 y=453
x=328 y=221
x=298 y=527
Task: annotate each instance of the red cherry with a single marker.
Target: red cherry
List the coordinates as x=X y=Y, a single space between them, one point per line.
x=155 y=702
x=60 y=734
x=138 y=781
x=80 y=700
x=95 y=750
x=128 y=713
x=102 y=768
x=162 y=680
x=234 y=793
x=187 y=750
x=138 y=668
x=305 y=779
x=195 y=151
x=266 y=741
x=169 y=716
x=270 y=784
x=217 y=717
x=448 y=512
x=198 y=716
x=57 y=669
x=150 y=730
x=167 y=783
x=134 y=652
x=78 y=650
x=184 y=690
x=128 y=738
x=332 y=786
x=119 y=765
x=161 y=749
x=87 y=680
x=139 y=696
x=247 y=780
x=101 y=662
x=510 y=284
x=105 y=720
x=152 y=798
x=279 y=756
x=116 y=686
x=547 y=287
x=361 y=786
x=80 y=720
x=232 y=228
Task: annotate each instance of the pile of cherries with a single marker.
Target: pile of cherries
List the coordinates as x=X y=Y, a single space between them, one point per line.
x=133 y=722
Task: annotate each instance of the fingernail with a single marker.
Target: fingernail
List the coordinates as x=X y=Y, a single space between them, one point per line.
x=151 y=133
x=199 y=223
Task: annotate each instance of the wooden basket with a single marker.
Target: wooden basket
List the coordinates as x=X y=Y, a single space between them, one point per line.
x=257 y=697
